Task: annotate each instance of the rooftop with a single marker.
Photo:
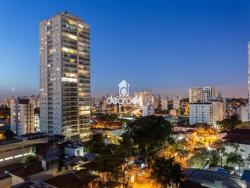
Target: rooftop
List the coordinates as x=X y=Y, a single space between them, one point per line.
x=69 y=180
x=241 y=136
x=27 y=170
x=209 y=178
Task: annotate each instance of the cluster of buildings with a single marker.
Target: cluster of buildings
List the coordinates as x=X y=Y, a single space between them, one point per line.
x=63 y=106
x=205 y=106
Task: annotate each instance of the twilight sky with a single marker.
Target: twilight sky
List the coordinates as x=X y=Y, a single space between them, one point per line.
x=165 y=46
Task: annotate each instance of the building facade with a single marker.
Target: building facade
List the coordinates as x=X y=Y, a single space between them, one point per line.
x=209 y=113
x=164 y=104
x=202 y=94
x=23 y=117
x=65 y=77
x=243 y=114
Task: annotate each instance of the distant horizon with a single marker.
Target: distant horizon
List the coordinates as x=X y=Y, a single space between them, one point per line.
x=227 y=92
x=162 y=46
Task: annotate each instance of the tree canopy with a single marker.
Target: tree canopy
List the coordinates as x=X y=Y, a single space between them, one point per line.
x=148 y=133
x=166 y=171
x=229 y=123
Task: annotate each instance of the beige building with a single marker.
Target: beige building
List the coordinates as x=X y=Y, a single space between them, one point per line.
x=65 y=77
x=202 y=94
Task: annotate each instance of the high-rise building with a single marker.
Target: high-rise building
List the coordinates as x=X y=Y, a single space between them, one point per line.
x=176 y=103
x=202 y=94
x=209 y=93
x=23 y=118
x=248 y=80
x=65 y=77
x=195 y=95
x=164 y=104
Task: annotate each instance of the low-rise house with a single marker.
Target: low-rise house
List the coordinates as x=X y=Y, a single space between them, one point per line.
x=211 y=179
x=241 y=137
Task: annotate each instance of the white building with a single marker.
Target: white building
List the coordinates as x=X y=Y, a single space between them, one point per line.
x=148 y=110
x=208 y=113
x=244 y=113
x=65 y=77
x=74 y=150
x=23 y=119
x=164 y=104
x=176 y=103
x=144 y=97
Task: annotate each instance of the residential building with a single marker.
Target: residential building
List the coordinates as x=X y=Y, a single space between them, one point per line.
x=23 y=115
x=164 y=104
x=176 y=103
x=208 y=93
x=208 y=178
x=195 y=95
x=65 y=77
x=243 y=115
x=202 y=94
x=14 y=151
x=209 y=113
x=148 y=109
x=144 y=97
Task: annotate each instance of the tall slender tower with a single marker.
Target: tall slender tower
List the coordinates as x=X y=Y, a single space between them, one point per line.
x=65 y=77
x=248 y=81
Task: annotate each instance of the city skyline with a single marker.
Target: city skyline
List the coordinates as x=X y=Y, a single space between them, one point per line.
x=209 y=35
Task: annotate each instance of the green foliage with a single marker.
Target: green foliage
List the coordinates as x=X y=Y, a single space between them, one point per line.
x=235 y=159
x=166 y=171
x=148 y=133
x=200 y=159
x=29 y=159
x=126 y=147
x=108 y=117
x=214 y=158
x=96 y=144
x=229 y=123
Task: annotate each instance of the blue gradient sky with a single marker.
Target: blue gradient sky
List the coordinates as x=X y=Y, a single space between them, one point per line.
x=165 y=46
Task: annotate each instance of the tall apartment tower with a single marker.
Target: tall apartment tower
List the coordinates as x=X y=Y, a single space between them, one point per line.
x=65 y=77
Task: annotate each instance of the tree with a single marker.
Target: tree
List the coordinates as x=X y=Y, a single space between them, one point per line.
x=200 y=159
x=109 y=166
x=214 y=158
x=234 y=158
x=166 y=172
x=29 y=159
x=96 y=144
x=229 y=123
x=148 y=134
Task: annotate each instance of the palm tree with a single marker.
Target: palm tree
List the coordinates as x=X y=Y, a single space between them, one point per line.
x=166 y=172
